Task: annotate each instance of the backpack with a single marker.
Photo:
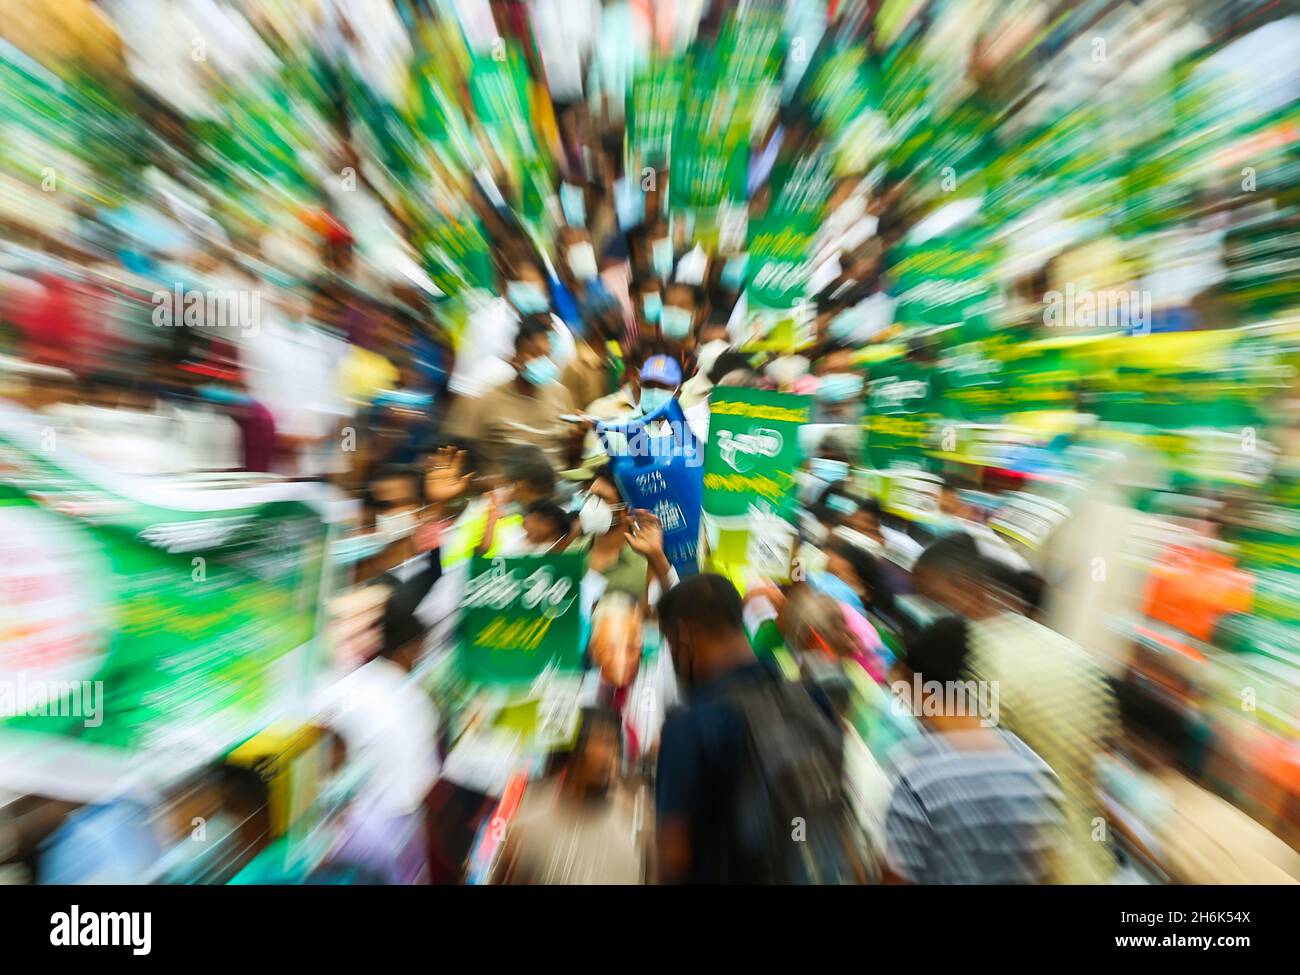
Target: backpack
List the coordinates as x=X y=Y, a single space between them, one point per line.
x=792 y=820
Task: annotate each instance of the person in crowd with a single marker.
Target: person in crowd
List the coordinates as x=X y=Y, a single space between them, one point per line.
x=544 y=527
x=580 y=826
x=525 y=409
x=484 y=356
x=972 y=802
x=682 y=306
x=595 y=371
x=624 y=548
x=390 y=730
x=1052 y=695
x=392 y=509
x=741 y=721
x=293 y=369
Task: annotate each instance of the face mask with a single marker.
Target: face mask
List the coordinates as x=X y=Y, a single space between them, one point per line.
x=828 y=470
x=595 y=517
x=349 y=551
x=653 y=305
x=836 y=588
x=652 y=399
x=527 y=297
x=661 y=257
x=708 y=355
x=575 y=208
x=733 y=272
x=675 y=323
x=786 y=369
x=395 y=526
x=540 y=371
x=844 y=325
x=839 y=387
x=582 y=261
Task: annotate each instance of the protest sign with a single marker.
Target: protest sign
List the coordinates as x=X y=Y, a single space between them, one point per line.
x=519 y=616
x=137 y=617
x=656 y=460
x=753 y=451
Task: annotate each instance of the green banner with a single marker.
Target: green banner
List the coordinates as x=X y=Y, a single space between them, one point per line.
x=521 y=615
x=753 y=451
x=136 y=616
x=651 y=111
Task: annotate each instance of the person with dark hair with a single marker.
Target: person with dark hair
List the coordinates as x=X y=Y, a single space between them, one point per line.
x=745 y=749
x=1053 y=695
x=597 y=369
x=971 y=803
x=546 y=526
x=525 y=409
x=579 y=827
x=528 y=474
x=624 y=547
x=677 y=321
x=391 y=504
x=528 y=479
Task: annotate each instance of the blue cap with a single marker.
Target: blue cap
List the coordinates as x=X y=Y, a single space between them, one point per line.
x=661 y=369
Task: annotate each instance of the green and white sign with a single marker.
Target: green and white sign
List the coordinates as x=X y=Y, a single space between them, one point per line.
x=753 y=451
x=520 y=616
x=140 y=618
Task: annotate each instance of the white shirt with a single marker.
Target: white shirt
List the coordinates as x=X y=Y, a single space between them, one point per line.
x=390 y=726
x=293 y=370
x=565 y=31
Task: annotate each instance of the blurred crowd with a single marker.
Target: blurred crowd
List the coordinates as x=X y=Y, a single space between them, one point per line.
x=464 y=276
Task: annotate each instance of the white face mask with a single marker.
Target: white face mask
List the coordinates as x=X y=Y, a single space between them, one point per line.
x=595 y=517
x=708 y=355
x=396 y=526
x=582 y=261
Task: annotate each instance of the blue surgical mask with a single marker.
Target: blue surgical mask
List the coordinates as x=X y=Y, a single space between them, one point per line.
x=733 y=272
x=828 y=470
x=839 y=387
x=540 y=371
x=574 y=205
x=529 y=298
x=675 y=323
x=844 y=325
x=356 y=548
x=652 y=399
x=836 y=588
x=661 y=257
x=653 y=305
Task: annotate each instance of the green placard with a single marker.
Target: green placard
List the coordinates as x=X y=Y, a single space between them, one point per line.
x=135 y=615
x=753 y=451
x=520 y=615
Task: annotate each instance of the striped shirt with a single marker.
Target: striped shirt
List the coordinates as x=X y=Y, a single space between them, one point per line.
x=972 y=807
x=1056 y=700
